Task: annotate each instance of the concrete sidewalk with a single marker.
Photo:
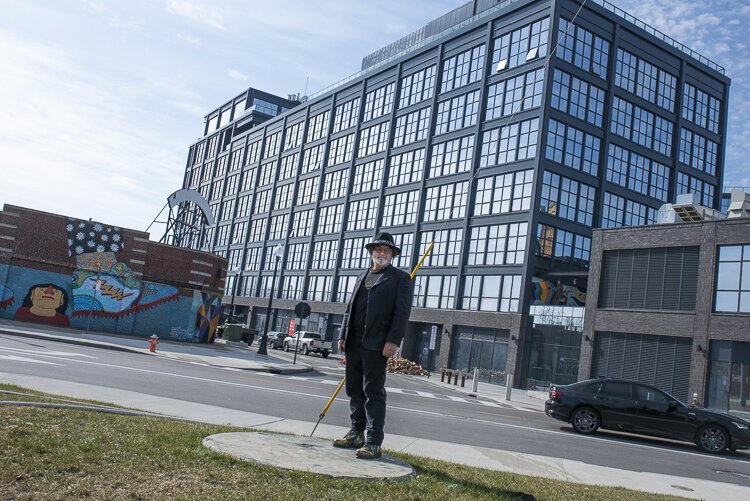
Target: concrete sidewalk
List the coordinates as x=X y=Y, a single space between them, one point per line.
x=218 y=354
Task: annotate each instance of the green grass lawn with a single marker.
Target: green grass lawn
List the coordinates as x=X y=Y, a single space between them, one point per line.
x=48 y=453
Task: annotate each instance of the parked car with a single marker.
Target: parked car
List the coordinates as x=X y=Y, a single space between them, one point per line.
x=641 y=408
x=309 y=342
x=276 y=340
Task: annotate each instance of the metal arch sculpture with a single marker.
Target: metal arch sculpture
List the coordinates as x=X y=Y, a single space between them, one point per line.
x=192 y=215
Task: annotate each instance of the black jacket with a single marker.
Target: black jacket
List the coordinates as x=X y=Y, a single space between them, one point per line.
x=388 y=308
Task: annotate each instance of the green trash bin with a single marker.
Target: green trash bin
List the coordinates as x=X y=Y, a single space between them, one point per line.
x=233 y=332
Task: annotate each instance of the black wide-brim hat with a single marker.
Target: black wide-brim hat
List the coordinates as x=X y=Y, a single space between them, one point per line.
x=384 y=238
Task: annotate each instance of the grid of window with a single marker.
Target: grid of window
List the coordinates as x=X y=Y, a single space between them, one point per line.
x=317 y=126
x=217 y=189
x=262 y=201
x=253 y=152
x=491 y=293
x=354 y=254
x=252 y=258
x=463 y=68
x=236 y=159
x=267 y=173
x=406 y=168
x=330 y=218
x=521 y=46
x=248 y=286
x=231 y=188
x=698 y=152
x=283 y=199
x=447 y=201
x=582 y=48
x=272 y=145
x=434 y=291
x=257 y=231
x=400 y=208
x=235 y=259
x=700 y=108
x=663 y=136
x=417 y=87
x=637 y=172
x=238 y=232
x=373 y=139
x=296 y=257
x=567 y=198
x=379 y=102
x=341 y=150
x=498 y=244
x=335 y=184
x=277 y=229
x=405 y=241
x=368 y=176
x=213 y=143
x=243 y=205
x=288 y=167
x=346 y=115
x=411 y=127
x=320 y=288
x=446 y=250
x=645 y=80
x=733 y=279
x=451 y=157
x=307 y=191
x=293 y=136
x=324 y=254
x=221 y=166
x=639 y=125
x=292 y=287
x=619 y=211
x=222 y=235
x=302 y=222
x=562 y=245
x=195 y=176
x=520 y=93
x=577 y=97
x=690 y=184
x=248 y=179
x=504 y=193
x=510 y=143
x=198 y=152
x=457 y=112
x=312 y=158
x=362 y=214
x=345 y=288
x=227 y=210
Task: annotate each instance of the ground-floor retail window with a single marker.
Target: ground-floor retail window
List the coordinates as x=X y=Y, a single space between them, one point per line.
x=729 y=378
x=553 y=345
x=483 y=349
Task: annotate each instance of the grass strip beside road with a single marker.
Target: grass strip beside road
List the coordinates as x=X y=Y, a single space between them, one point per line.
x=48 y=453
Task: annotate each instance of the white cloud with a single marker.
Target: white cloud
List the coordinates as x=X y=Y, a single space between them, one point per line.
x=204 y=13
x=236 y=74
x=190 y=40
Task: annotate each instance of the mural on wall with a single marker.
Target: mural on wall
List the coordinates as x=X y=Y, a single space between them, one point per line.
x=90 y=236
x=6 y=297
x=545 y=292
x=105 y=288
x=207 y=319
x=45 y=304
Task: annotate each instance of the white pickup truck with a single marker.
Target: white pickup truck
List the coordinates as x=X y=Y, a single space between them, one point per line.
x=308 y=342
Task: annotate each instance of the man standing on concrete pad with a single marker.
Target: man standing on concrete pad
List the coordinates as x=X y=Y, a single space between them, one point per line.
x=372 y=329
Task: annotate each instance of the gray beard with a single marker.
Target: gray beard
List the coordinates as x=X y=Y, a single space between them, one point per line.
x=381 y=262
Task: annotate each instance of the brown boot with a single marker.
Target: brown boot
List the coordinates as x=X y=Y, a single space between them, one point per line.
x=352 y=440
x=369 y=451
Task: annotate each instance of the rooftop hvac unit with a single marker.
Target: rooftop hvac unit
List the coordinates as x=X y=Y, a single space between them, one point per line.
x=739 y=205
x=687 y=209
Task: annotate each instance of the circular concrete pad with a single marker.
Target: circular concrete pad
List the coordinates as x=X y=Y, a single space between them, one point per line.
x=312 y=454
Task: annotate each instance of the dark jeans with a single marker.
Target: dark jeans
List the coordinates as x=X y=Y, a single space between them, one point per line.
x=365 y=386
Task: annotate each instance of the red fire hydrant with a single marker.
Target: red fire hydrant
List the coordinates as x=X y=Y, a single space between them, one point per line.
x=153 y=341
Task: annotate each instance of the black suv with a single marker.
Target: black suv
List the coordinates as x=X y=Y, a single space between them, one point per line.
x=276 y=340
x=641 y=408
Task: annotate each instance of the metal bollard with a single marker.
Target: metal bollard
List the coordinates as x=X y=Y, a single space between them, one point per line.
x=475 y=383
x=455 y=379
x=508 y=386
x=442 y=375
x=463 y=379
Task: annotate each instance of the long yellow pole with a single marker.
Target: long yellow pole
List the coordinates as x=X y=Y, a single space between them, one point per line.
x=343 y=381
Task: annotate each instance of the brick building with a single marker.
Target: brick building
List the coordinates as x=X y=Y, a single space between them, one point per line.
x=88 y=275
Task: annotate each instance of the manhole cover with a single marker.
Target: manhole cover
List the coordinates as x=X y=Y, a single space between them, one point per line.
x=734 y=473
x=682 y=488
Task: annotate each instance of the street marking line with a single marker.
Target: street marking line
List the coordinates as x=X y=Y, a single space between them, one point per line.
x=15 y=358
x=44 y=353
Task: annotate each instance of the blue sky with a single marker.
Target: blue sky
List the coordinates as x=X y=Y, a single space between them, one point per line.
x=101 y=98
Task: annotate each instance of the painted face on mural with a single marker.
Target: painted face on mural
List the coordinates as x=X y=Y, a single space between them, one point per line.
x=46 y=300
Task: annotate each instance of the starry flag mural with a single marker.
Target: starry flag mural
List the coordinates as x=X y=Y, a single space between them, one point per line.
x=90 y=236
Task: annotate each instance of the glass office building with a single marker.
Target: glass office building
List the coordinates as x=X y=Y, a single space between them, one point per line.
x=503 y=132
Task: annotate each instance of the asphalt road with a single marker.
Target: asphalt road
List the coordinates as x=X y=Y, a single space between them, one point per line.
x=415 y=409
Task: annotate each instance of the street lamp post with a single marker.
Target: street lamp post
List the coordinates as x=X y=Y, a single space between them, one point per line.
x=264 y=338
